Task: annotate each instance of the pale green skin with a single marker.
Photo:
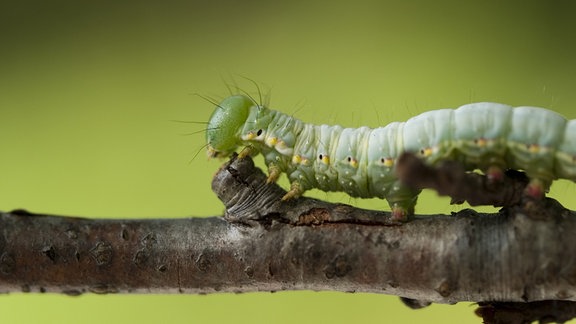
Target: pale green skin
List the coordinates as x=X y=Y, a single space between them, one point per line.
x=362 y=160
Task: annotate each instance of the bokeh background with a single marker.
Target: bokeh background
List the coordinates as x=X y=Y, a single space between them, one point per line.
x=89 y=91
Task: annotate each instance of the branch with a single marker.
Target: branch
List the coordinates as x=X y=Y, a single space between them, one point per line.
x=264 y=244
x=513 y=255
x=451 y=179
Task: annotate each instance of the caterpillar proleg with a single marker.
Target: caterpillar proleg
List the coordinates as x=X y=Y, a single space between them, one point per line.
x=361 y=161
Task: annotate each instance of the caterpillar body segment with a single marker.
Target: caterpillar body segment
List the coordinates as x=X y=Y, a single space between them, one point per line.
x=361 y=161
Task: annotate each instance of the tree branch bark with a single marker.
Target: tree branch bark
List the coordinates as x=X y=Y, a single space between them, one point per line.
x=264 y=244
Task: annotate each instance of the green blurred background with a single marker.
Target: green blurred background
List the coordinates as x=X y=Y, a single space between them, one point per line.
x=89 y=91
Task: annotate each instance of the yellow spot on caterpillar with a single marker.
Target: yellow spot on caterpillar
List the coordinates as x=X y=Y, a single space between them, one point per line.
x=299 y=159
x=253 y=135
x=481 y=142
x=426 y=152
x=354 y=163
x=272 y=141
x=387 y=162
x=324 y=159
x=296 y=159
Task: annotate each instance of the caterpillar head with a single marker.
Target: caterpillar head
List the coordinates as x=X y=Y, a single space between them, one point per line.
x=222 y=133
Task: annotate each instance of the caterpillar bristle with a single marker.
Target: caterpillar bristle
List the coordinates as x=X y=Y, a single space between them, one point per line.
x=198 y=152
x=208 y=99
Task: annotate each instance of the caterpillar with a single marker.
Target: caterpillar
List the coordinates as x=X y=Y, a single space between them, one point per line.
x=361 y=161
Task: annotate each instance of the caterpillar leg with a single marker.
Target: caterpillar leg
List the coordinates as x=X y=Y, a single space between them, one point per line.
x=402 y=206
x=400 y=214
x=495 y=174
x=294 y=192
x=402 y=200
x=274 y=173
x=536 y=188
x=248 y=150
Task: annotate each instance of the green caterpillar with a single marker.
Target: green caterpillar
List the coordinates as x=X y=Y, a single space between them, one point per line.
x=361 y=161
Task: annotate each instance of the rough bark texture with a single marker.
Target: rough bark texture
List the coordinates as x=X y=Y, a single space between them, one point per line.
x=522 y=254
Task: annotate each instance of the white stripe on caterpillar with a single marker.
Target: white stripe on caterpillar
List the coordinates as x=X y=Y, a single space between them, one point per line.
x=361 y=161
